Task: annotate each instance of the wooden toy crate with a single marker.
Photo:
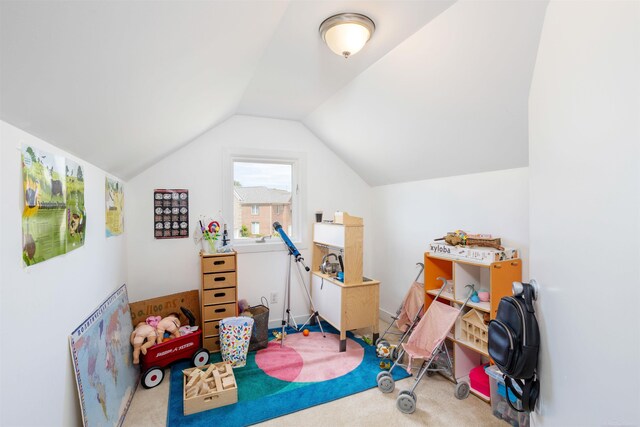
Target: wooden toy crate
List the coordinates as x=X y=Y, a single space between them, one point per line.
x=214 y=386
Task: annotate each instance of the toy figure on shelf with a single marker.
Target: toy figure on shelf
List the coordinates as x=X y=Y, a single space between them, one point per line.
x=462 y=238
x=171 y=324
x=143 y=337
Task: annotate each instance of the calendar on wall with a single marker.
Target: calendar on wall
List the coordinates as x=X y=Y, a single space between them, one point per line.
x=171 y=214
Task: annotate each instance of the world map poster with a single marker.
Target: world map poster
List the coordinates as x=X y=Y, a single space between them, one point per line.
x=102 y=361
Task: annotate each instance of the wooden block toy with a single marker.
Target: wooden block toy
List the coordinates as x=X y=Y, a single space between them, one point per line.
x=210 y=387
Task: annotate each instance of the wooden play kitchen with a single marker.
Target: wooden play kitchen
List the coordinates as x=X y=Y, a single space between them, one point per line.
x=208 y=387
x=351 y=303
x=468 y=341
x=219 y=294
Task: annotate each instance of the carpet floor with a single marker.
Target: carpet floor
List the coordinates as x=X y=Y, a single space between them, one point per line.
x=436 y=406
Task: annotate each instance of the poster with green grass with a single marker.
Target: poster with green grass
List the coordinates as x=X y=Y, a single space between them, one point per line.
x=76 y=214
x=53 y=199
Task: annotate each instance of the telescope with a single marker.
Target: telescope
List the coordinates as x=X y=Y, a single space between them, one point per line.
x=287 y=241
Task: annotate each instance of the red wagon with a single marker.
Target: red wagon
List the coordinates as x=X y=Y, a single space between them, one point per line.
x=162 y=355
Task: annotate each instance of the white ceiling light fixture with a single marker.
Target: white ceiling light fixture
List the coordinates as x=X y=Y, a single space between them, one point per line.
x=347 y=33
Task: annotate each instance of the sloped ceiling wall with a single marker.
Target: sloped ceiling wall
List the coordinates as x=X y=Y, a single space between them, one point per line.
x=450 y=100
x=440 y=90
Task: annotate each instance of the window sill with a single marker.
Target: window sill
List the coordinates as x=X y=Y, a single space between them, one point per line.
x=246 y=248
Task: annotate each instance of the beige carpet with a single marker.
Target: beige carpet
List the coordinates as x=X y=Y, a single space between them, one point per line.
x=436 y=406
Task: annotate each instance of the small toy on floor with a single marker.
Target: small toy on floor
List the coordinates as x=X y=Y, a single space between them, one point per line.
x=278 y=335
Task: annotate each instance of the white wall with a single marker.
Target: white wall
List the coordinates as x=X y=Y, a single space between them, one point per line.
x=41 y=305
x=585 y=188
x=408 y=216
x=160 y=267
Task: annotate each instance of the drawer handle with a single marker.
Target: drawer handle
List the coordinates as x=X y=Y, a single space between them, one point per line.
x=219 y=294
x=220 y=310
x=219 y=262
x=515 y=264
x=497 y=266
x=219 y=279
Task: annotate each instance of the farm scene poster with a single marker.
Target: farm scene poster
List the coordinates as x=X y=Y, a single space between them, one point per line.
x=53 y=218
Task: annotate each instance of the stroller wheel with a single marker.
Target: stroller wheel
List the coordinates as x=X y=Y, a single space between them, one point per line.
x=382 y=374
x=462 y=390
x=394 y=353
x=386 y=384
x=408 y=393
x=406 y=403
x=432 y=373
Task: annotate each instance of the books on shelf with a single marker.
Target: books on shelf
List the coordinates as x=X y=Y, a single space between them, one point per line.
x=480 y=255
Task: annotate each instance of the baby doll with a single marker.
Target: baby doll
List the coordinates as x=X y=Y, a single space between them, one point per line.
x=170 y=324
x=142 y=332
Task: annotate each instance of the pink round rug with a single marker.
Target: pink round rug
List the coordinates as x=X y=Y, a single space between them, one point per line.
x=309 y=359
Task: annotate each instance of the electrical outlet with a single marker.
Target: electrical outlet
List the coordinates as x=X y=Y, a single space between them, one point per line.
x=273 y=298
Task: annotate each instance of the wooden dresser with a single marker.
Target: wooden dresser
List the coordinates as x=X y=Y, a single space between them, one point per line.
x=219 y=294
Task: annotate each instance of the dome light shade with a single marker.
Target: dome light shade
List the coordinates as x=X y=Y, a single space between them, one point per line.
x=346 y=33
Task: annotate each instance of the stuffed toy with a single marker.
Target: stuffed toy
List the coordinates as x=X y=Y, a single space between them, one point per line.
x=142 y=337
x=170 y=324
x=153 y=321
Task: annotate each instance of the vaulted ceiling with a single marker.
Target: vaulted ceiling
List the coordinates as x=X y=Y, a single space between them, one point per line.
x=441 y=89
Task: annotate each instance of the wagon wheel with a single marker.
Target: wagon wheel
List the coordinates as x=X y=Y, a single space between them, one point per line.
x=200 y=357
x=406 y=403
x=152 y=377
x=462 y=390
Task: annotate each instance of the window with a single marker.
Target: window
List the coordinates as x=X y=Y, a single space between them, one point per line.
x=267 y=184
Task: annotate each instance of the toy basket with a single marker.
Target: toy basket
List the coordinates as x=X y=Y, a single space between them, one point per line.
x=235 y=333
x=260 y=335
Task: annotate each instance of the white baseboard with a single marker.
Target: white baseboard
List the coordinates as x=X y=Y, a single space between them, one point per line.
x=386 y=316
x=277 y=323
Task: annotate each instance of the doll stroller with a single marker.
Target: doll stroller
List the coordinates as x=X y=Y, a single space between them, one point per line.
x=427 y=341
x=407 y=315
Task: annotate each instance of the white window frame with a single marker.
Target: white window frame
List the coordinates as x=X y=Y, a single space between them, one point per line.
x=297 y=160
x=255 y=225
x=255 y=210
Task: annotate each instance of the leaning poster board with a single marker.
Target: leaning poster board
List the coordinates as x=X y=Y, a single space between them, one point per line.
x=102 y=361
x=162 y=306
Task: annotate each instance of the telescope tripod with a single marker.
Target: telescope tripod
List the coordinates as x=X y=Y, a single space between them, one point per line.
x=287 y=318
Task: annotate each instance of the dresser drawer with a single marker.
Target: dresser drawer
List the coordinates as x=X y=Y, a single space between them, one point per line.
x=212 y=328
x=218 y=280
x=215 y=264
x=218 y=296
x=212 y=344
x=217 y=312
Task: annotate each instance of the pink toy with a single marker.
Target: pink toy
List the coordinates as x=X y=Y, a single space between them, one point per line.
x=483 y=295
x=153 y=321
x=170 y=324
x=140 y=334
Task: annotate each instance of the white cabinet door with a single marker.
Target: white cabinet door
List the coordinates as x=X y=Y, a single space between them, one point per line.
x=327 y=298
x=329 y=234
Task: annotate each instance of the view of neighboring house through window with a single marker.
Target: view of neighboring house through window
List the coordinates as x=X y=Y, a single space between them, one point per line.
x=261 y=196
